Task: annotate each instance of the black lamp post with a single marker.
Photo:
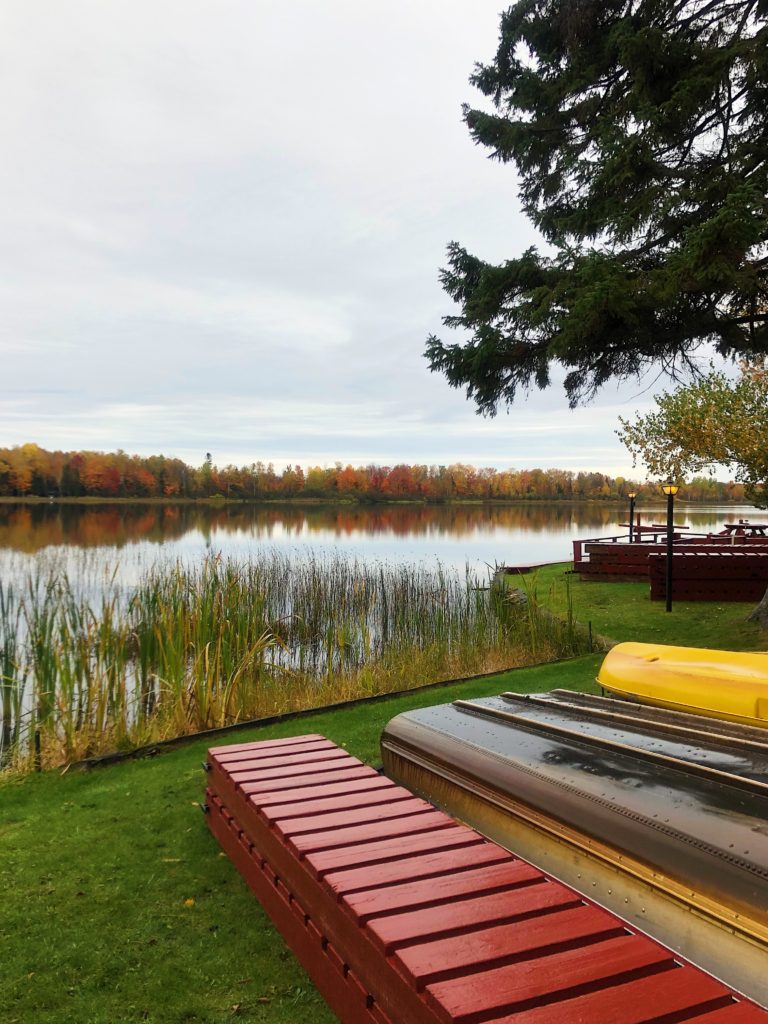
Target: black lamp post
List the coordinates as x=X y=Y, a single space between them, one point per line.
x=670 y=490
x=632 y=495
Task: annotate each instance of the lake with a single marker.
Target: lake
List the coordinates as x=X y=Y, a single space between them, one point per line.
x=135 y=537
x=107 y=641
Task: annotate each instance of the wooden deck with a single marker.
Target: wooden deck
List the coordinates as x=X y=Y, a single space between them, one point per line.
x=710 y=575
x=714 y=569
x=401 y=915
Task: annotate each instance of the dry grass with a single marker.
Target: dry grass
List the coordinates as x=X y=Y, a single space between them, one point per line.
x=90 y=666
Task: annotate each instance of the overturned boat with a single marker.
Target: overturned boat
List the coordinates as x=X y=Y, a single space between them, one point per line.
x=732 y=685
x=657 y=814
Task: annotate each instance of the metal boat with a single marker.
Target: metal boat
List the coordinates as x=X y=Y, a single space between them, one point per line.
x=659 y=815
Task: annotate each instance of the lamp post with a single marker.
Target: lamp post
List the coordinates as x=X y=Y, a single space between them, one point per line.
x=632 y=495
x=670 y=490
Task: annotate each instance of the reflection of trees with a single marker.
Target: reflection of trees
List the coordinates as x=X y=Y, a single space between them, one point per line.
x=29 y=528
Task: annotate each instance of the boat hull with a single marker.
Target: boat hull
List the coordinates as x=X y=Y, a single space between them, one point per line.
x=675 y=842
x=731 y=685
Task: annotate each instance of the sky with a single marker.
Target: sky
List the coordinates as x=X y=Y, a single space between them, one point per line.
x=221 y=227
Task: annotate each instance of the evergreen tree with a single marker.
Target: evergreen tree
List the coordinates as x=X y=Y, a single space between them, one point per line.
x=639 y=131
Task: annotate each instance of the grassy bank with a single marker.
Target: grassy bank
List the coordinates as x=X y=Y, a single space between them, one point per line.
x=118 y=906
x=624 y=611
x=89 y=665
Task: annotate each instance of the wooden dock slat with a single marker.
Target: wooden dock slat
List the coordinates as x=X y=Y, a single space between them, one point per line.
x=494 y=878
x=316 y=756
x=641 y=1001
x=733 y=1013
x=535 y=939
x=363 y=798
x=353 y=835
x=391 y=850
x=364 y=782
x=271 y=787
x=254 y=749
x=411 y=869
x=301 y=774
x=321 y=960
x=298 y=772
x=495 y=994
x=327 y=821
x=451 y=917
x=402 y=916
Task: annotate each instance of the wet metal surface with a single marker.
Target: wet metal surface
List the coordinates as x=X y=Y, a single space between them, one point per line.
x=694 y=808
x=693 y=747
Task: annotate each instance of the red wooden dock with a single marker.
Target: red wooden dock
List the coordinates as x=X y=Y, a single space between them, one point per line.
x=702 y=570
x=740 y=575
x=401 y=915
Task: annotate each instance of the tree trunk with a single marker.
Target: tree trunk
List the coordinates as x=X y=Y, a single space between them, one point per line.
x=760 y=614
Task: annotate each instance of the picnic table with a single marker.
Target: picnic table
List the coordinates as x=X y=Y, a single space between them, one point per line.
x=746 y=528
x=655 y=530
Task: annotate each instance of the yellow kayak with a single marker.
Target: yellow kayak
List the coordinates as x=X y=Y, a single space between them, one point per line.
x=732 y=685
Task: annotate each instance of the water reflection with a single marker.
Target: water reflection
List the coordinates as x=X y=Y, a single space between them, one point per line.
x=29 y=528
x=129 y=538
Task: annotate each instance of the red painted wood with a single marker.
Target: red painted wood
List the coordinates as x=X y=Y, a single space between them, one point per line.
x=733 y=1013
x=289 y=784
x=317 y=748
x=362 y=783
x=364 y=798
x=312 y=757
x=391 y=850
x=412 y=868
x=391 y=828
x=348 y=1000
x=400 y=915
x=297 y=772
x=452 y=917
x=641 y=1001
x=378 y=1016
x=453 y=886
x=397 y=998
x=498 y=991
x=330 y=820
x=289 y=741
x=541 y=937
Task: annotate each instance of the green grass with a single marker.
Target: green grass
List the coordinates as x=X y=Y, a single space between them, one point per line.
x=96 y=870
x=624 y=611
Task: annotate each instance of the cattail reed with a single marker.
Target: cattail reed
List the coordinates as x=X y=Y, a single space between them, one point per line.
x=103 y=665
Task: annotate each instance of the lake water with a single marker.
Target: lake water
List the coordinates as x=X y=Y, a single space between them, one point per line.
x=134 y=537
x=105 y=550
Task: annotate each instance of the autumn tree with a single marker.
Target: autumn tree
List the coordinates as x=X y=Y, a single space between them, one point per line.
x=639 y=133
x=716 y=420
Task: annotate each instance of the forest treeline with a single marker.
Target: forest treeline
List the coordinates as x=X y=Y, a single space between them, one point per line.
x=30 y=471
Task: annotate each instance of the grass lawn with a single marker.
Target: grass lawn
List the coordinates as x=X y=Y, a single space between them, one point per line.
x=624 y=611
x=117 y=904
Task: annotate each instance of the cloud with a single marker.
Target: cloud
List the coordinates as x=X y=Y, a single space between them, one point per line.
x=222 y=228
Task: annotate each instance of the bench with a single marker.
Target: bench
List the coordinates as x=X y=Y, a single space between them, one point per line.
x=402 y=916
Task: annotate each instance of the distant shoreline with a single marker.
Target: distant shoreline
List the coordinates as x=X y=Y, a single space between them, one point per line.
x=680 y=503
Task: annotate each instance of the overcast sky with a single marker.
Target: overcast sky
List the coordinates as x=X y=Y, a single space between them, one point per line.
x=221 y=227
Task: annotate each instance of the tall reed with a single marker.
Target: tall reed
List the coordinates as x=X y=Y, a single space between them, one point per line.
x=92 y=665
